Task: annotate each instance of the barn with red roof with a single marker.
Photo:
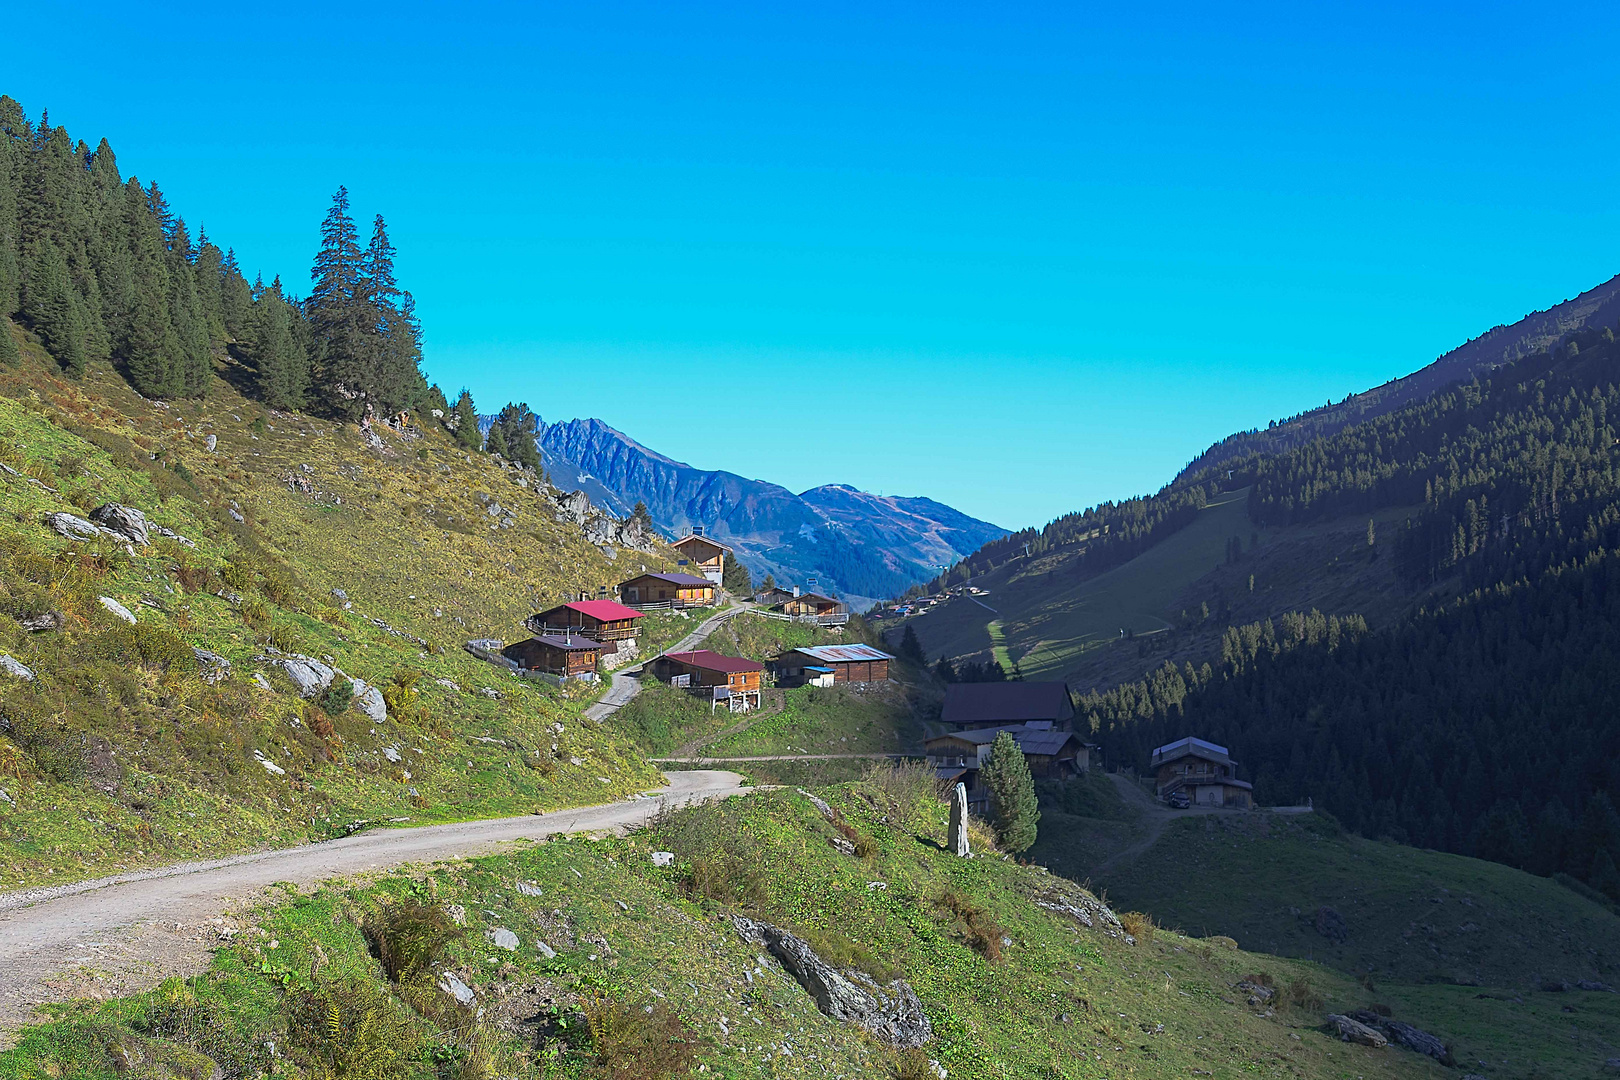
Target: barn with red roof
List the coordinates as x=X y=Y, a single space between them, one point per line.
x=603 y=620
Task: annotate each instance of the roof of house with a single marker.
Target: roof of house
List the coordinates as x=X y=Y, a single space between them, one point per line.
x=569 y=643
x=1006 y=702
x=1191 y=747
x=689 y=537
x=1031 y=739
x=841 y=654
x=1208 y=781
x=673 y=579
x=815 y=596
x=709 y=660
x=604 y=610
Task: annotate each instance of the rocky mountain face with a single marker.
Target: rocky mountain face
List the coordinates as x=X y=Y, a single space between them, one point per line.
x=858 y=544
x=1500 y=345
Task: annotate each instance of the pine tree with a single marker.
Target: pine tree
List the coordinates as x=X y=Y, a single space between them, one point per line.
x=186 y=312
x=334 y=312
x=518 y=427
x=149 y=348
x=280 y=359
x=1013 y=809
x=235 y=297
x=911 y=649
x=47 y=305
x=462 y=420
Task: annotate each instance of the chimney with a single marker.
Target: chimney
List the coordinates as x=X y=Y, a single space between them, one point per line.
x=795 y=590
x=697 y=530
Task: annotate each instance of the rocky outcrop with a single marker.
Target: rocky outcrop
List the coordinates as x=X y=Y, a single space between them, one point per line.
x=41 y=621
x=1354 y=1031
x=126 y=522
x=71 y=527
x=117 y=610
x=1331 y=925
x=892 y=1013
x=15 y=668
x=957 y=842
x=1084 y=908
x=212 y=667
x=369 y=701
x=1401 y=1034
x=600 y=527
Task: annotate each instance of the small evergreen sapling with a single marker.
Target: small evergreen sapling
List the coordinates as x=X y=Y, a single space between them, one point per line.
x=1013 y=809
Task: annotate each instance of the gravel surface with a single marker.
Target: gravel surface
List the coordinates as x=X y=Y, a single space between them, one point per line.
x=118 y=935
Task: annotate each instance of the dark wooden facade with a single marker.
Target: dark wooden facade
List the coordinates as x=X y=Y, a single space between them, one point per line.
x=563 y=656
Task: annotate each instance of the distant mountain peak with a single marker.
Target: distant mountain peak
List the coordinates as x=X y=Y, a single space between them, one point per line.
x=854 y=542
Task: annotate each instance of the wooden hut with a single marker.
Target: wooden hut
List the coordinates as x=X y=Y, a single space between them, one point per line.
x=1203 y=770
x=603 y=620
x=845 y=663
x=563 y=655
x=667 y=590
x=731 y=680
x=704 y=555
x=813 y=607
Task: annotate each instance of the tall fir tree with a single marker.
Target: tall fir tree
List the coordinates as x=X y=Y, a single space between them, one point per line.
x=149 y=347
x=518 y=427
x=194 y=364
x=463 y=422
x=1013 y=809
x=336 y=313
x=280 y=358
x=47 y=305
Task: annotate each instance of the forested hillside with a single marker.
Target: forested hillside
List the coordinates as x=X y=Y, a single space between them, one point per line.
x=1485 y=725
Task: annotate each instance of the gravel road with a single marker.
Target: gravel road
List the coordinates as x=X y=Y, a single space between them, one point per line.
x=121 y=934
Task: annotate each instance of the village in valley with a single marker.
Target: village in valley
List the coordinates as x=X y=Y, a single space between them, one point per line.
x=585 y=639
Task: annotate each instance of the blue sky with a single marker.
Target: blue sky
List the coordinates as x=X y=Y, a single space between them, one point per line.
x=1017 y=258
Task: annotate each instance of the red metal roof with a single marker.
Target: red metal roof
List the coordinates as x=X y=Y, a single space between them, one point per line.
x=602 y=609
x=709 y=660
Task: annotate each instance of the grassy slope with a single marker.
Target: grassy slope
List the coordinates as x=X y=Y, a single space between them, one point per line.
x=1460 y=940
x=181 y=780
x=1062 y=1001
x=1055 y=628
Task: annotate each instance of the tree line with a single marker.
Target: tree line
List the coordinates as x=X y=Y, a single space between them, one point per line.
x=100 y=268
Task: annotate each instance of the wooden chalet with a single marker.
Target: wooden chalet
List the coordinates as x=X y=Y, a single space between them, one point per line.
x=813 y=607
x=824 y=665
x=773 y=597
x=1007 y=704
x=603 y=620
x=731 y=680
x=667 y=590
x=1051 y=754
x=704 y=555
x=1204 y=770
x=565 y=656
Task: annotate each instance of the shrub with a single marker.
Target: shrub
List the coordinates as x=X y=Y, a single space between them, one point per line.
x=1138 y=925
x=236 y=575
x=146 y=644
x=983 y=934
x=908 y=785
x=912 y=1064
x=639 y=1040
x=401 y=695
x=1300 y=994
x=352 y=1029
x=720 y=858
x=57 y=750
x=278 y=588
x=408 y=937
x=336 y=699
x=255 y=613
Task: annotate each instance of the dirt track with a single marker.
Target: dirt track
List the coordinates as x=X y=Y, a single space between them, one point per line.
x=120 y=934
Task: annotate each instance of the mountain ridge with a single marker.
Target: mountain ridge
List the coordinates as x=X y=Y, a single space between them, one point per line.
x=849 y=541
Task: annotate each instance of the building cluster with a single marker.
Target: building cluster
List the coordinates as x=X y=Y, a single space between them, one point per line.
x=1038 y=715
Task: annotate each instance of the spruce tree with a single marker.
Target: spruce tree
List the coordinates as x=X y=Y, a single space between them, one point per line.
x=47 y=305
x=518 y=427
x=463 y=422
x=1013 y=810
x=280 y=359
x=495 y=441
x=235 y=297
x=186 y=311
x=334 y=312
x=149 y=348
x=911 y=649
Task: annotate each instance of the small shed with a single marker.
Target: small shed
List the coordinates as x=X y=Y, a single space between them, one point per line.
x=732 y=680
x=667 y=590
x=563 y=655
x=849 y=664
x=705 y=555
x=603 y=620
x=772 y=597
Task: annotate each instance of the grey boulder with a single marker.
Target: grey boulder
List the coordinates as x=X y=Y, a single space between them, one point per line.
x=71 y=526
x=502 y=938
x=16 y=668
x=369 y=701
x=1354 y=1031
x=214 y=667
x=118 y=610
x=457 y=989
x=309 y=675
x=125 y=521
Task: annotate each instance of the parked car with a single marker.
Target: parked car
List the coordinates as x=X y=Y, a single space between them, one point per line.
x=1178 y=800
